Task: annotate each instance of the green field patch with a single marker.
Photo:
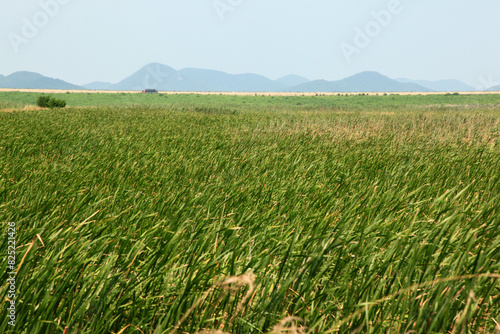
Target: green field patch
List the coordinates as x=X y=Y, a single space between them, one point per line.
x=245 y=214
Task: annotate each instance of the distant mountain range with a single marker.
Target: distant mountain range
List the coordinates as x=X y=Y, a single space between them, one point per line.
x=361 y=82
x=165 y=78
x=441 y=85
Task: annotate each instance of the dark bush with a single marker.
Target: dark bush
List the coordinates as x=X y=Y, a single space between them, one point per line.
x=45 y=101
x=54 y=103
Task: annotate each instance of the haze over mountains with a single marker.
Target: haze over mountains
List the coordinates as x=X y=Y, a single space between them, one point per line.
x=165 y=78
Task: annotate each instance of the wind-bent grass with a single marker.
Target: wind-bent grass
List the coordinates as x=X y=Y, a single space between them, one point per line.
x=383 y=220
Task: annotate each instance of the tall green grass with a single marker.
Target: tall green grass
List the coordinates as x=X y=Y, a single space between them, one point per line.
x=131 y=220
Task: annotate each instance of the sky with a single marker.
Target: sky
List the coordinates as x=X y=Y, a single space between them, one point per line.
x=85 y=41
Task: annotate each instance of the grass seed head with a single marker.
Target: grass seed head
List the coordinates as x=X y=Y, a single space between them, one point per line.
x=289 y=325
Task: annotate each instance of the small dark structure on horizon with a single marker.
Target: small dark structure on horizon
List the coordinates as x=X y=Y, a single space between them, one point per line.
x=150 y=91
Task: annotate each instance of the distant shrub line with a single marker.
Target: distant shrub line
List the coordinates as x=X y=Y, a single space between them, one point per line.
x=45 y=101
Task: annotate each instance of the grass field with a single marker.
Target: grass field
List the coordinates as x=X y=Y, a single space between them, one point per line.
x=245 y=102
x=186 y=213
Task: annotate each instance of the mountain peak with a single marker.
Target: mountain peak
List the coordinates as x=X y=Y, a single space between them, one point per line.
x=24 y=75
x=25 y=79
x=371 y=73
x=157 y=66
x=367 y=75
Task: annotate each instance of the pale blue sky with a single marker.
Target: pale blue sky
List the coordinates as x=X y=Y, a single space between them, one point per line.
x=107 y=40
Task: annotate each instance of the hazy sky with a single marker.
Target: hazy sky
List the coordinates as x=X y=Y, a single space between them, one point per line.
x=107 y=40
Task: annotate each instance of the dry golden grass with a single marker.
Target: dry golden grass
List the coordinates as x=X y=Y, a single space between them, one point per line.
x=231 y=284
x=26 y=108
x=54 y=91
